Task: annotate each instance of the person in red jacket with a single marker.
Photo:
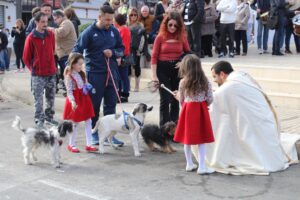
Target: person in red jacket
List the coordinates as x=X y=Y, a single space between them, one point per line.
x=126 y=61
x=38 y=56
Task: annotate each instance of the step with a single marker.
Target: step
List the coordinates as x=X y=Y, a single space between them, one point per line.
x=278 y=99
x=279 y=85
x=267 y=72
x=276 y=85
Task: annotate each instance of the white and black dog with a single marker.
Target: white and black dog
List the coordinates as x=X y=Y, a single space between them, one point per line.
x=34 y=138
x=110 y=125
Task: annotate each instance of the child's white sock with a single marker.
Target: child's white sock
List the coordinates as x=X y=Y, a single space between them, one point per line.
x=201 y=156
x=188 y=155
x=73 y=135
x=88 y=132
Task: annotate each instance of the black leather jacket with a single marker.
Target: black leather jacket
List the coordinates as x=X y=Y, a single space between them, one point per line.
x=196 y=11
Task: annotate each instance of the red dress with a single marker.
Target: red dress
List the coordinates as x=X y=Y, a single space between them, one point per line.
x=84 y=109
x=194 y=126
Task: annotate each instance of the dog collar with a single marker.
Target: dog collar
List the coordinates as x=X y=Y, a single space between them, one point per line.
x=126 y=114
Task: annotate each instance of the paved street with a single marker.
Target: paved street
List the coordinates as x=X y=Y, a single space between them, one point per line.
x=118 y=174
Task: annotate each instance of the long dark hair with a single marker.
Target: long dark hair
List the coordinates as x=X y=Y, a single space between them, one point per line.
x=195 y=80
x=73 y=59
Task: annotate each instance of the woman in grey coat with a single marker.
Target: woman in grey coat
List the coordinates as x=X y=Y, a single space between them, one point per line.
x=241 y=24
x=208 y=28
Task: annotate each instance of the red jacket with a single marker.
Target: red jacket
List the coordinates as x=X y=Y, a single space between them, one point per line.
x=125 y=35
x=38 y=53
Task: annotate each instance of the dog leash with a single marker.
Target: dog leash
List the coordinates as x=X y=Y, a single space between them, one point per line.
x=109 y=74
x=126 y=114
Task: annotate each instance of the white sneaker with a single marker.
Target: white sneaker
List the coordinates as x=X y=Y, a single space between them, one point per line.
x=265 y=52
x=206 y=170
x=191 y=168
x=260 y=51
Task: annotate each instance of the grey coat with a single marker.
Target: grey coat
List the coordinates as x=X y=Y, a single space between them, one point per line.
x=242 y=17
x=208 y=27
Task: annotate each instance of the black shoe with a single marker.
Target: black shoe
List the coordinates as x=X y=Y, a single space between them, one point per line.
x=124 y=99
x=287 y=51
x=278 y=54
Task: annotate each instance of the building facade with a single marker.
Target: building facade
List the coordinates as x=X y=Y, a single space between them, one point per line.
x=7 y=13
x=24 y=7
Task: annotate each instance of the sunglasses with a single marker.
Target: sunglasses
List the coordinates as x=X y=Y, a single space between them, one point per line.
x=116 y=4
x=131 y=15
x=174 y=25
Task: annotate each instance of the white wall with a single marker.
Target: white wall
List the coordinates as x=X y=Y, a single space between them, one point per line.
x=9 y=11
x=86 y=15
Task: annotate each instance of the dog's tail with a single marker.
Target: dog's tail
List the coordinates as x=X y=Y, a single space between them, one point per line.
x=17 y=124
x=95 y=129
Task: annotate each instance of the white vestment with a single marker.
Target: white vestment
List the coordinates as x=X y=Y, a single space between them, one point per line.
x=247 y=140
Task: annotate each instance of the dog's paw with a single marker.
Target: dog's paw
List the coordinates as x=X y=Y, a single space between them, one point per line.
x=116 y=147
x=138 y=154
x=101 y=151
x=27 y=162
x=57 y=166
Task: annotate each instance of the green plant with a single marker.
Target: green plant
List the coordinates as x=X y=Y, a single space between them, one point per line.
x=82 y=27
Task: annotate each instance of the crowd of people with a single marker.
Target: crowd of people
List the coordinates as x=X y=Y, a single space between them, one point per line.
x=111 y=49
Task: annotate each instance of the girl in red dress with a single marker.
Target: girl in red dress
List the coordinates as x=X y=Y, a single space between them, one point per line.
x=194 y=126
x=78 y=105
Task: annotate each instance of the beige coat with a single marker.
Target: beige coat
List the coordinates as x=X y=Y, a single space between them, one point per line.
x=65 y=38
x=242 y=17
x=208 y=27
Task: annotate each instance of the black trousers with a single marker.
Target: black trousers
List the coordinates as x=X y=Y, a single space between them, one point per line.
x=194 y=37
x=241 y=35
x=169 y=107
x=19 y=53
x=227 y=30
x=207 y=44
x=136 y=67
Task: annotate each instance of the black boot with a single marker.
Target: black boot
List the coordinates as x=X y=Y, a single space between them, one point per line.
x=124 y=97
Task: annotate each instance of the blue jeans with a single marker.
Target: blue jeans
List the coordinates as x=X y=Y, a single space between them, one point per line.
x=124 y=79
x=279 y=35
x=262 y=31
x=2 y=60
x=289 y=31
x=62 y=65
x=98 y=80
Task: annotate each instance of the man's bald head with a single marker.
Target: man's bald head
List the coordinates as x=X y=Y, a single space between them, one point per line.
x=145 y=11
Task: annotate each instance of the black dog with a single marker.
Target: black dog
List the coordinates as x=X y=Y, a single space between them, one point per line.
x=153 y=134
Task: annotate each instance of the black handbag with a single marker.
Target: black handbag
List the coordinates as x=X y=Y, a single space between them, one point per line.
x=272 y=22
x=127 y=60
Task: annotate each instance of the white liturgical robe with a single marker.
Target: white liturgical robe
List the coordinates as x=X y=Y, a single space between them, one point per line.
x=247 y=140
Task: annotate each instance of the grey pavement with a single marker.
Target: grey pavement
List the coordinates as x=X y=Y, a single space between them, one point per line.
x=118 y=174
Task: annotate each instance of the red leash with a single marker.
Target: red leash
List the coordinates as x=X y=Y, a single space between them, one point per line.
x=109 y=74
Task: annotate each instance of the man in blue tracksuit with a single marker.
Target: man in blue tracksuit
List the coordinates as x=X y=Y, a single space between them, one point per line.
x=101 y=42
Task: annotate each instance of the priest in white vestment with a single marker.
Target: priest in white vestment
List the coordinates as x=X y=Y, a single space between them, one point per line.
x=247 y=139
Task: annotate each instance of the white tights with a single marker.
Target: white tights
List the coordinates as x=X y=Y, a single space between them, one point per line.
x=201 y=155
x=88 y=133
